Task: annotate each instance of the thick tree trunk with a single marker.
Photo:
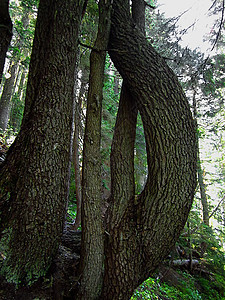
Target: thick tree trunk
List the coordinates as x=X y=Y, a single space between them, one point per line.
x=5 y=102
x=5 y=32
x=92 y=251
x=35 y=176
x=142 y=231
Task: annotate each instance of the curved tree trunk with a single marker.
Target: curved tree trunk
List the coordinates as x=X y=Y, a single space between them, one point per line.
x=35 y=176
x=5 y=32
x=142 y=231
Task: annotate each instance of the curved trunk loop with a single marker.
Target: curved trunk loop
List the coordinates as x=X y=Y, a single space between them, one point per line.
x=143 y=229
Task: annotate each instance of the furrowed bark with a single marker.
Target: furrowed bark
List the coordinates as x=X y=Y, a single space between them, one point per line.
x=92 y=254
x=151 y=224
x=35 y=176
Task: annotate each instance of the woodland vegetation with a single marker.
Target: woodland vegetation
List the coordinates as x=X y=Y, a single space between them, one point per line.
x=111 y=153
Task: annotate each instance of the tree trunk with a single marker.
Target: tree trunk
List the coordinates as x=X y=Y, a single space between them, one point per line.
x=16 y=113
x=142 y=231
x=200 y=172
x=5 y=33
x=76 y=160
x=5 y=102
x=92 y=247
x=35 y=176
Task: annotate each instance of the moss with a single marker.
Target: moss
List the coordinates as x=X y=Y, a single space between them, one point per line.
x=16 y=269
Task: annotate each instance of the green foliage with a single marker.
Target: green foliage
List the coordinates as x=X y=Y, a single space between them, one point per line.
x=72 y=206
x=211 y=288
x=154 y=289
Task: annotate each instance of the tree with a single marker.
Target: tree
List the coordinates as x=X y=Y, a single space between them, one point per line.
x=33 y=206
x=5 y=32
x=138 y=231
x=18 y=49
x=5 y=101
x=92 y=246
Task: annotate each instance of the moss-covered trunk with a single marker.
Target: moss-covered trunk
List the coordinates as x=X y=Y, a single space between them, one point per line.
x=34 y=177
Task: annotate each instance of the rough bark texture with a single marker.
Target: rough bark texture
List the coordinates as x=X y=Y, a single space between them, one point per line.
x=34 y=178
x=5 y=102
x=92 y=254
x=5 y=32
x=146 y=228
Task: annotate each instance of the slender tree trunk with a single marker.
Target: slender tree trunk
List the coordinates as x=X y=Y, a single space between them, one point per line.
x=116 y=83
x=76 y=159
x=200 y=174
x=16 y=113
x=35 y=176
x=5 y=102
x=92 y=250
x=22 y=84
x=142 y=231
x=5 y=32
x=199 y=168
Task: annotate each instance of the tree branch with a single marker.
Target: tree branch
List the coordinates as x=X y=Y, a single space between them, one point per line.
x=216 y=208
x=149 y=5
x=220 y=27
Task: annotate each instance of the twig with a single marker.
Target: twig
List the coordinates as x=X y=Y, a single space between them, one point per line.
x=216 y=208
x=149 y=5
x=220 y=28
x=87 y=46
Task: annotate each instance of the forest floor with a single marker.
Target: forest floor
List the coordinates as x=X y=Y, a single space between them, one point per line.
x=171 y=281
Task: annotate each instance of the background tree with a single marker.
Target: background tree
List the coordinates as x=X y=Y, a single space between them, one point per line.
x=23 y=16
x=5 y=32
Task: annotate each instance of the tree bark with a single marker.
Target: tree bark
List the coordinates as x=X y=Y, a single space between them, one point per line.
x=35 y=176
x=5 y=32
x=142 y=231
x=92 y=247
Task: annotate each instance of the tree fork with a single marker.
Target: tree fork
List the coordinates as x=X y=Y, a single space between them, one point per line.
x=151 y=224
